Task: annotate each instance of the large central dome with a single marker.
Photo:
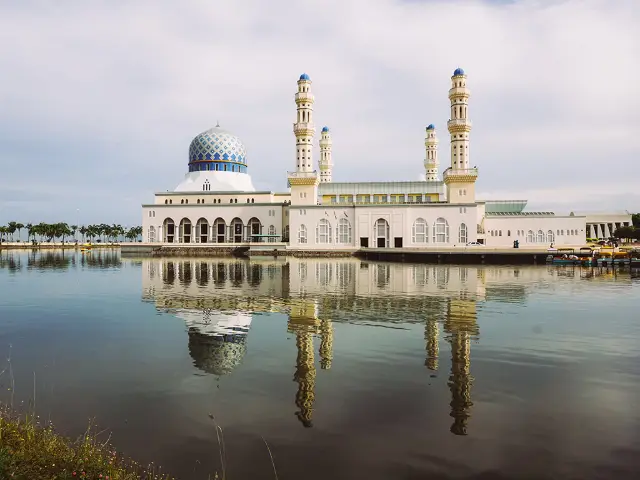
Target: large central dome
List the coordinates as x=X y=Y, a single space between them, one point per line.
x=217 y=163
x=220 y=147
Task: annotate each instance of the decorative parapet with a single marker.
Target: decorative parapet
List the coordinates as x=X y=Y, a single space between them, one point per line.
x=460 y=175
x=302 y=178
x=459 y=124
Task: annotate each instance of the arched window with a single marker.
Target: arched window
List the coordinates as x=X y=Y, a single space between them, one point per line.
x=540 y=238
x=169 y=230
x=344 y=231
x=272 y=231
x=463 y=233
x=420 y=231
x=530 y=237
x=381 y=233
x=441 y=231
x=152 y=234
x=323 y=231
x=185 y=231
x=550 y=237
x=166 y=201
x=302 y=234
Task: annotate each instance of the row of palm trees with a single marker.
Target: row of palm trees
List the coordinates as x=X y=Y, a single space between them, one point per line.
x=62 y=231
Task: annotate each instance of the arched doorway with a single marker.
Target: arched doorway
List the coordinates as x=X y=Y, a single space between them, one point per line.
x=381 y=233
x=202 y=231
x=219 y=231
x=185 y=231
x=169 y=228
x=254 y=228
x=237 y=229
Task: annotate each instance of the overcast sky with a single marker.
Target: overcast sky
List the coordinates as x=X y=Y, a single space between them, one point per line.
x=100 y=99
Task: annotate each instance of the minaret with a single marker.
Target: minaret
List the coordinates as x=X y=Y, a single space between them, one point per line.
x=460 y=178
x=326 y=164
x=431 y=160
x=304 y=181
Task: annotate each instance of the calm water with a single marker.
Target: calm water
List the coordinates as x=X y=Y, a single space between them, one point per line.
x=348 y=369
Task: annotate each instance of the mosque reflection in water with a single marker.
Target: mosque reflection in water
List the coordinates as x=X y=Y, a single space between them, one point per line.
x=216 y=299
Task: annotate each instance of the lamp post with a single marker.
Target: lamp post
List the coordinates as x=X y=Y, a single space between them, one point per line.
x=77 y=222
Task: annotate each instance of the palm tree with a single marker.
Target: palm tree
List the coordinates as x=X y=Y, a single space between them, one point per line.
x=29 y=227
x=74 y=229
x=19 y=227
x=11 y=228
x=3 y=232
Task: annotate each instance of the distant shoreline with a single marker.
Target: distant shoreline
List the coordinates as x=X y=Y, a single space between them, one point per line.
x=54 y=245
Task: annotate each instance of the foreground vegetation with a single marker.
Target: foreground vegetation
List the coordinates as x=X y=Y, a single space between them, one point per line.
x=62 y=231
x=29 y=451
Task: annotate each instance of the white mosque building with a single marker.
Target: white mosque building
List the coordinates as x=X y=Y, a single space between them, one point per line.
x=216 y=203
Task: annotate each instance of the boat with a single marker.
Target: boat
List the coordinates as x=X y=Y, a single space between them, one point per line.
x=565 y=256
x=608 y=256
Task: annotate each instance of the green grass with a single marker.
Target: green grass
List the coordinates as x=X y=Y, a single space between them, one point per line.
x=29 y=451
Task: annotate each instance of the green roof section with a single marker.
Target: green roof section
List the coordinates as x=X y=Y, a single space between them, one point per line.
x=504 y=206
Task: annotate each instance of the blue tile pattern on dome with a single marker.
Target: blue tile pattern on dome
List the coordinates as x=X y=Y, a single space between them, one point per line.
x=458 y=71
x=325 y=129
x=304 y=76
x=431 y=127
x=217 y=144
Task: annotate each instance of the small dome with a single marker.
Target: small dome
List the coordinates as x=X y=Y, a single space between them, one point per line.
x=218 y=145
x=458 y=71
x=431 y=127
x=325 y=129
x=304 y=76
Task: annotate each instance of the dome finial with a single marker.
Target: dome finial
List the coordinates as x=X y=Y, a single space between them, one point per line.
x=218 y=123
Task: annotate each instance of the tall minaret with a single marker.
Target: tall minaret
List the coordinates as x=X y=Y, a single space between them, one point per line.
x=460 y=178
x=304 y=180
x=431 y=161
x=326 y=164
x=304 y=129
x=459 y=125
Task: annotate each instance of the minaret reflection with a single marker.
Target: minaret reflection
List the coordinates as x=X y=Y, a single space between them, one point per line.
x=432 y=337
x=461 y=325
x=303 y=322
x=326 y=344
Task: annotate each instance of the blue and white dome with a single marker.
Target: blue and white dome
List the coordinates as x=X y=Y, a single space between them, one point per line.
x=458 y=71
x=325 y=129
x=304 y=76
x=431 y=127
x=217 y=145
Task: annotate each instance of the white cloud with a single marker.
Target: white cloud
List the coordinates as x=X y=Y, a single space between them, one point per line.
x=111 y=93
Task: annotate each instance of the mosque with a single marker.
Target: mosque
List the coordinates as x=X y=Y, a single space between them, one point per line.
x=216 y=203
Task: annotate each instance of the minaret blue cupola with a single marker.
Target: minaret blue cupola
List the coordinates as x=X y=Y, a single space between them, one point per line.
x=325 y=129
x=304 y=76
x=431 y=127
x=458 y=71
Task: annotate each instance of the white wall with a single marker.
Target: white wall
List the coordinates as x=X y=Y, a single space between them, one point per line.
x=501 y=231
x=362 y=220
x=155 y=215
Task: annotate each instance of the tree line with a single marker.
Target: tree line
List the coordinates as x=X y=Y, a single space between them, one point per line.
x=631 y=232
x=61 y=231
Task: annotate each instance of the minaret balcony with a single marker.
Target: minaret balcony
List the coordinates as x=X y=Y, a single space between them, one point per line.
x=459 y=92
x=460 y=175
x=304 y=128
x=459 y=124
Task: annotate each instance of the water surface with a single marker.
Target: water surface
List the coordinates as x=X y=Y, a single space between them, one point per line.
x=347 y=369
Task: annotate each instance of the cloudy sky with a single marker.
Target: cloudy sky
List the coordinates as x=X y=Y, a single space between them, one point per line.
x=99 y=100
